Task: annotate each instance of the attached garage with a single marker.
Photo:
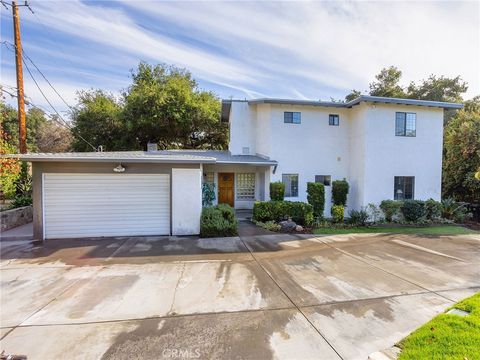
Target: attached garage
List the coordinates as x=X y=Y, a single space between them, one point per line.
x=83 y=205
x=110 y=194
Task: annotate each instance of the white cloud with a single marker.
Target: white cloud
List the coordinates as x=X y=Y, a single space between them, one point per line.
x=313 y=50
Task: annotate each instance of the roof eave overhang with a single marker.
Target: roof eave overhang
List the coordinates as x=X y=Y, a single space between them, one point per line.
x=115 y=160
x=256 y=163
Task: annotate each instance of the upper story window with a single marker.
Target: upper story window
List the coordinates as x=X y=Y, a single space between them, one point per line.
x=290 y=117
x=333 y=120
x=404 y=187
x=324 y=179
x=246 y=186
x=405 y=124
x=291 y=184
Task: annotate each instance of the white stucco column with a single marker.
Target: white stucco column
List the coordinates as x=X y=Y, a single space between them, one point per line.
x=186 y=201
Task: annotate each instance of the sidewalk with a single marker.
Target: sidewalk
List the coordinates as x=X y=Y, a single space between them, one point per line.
x=23 y=232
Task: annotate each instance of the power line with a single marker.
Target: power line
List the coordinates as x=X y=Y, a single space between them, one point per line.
x=45 y=97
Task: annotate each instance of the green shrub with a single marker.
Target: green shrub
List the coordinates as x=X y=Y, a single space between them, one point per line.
x=337 y=212
x=358 y=217
x=455 y=211
x=21 y=201
x=339 y=192
x=413 y=210
x=218 y=221
x=390 y=208
x=316 y=197
x=433 y=209
x=300 y=212
x=277 y=191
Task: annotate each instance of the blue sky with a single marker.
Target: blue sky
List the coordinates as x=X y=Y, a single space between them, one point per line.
x=304 y=50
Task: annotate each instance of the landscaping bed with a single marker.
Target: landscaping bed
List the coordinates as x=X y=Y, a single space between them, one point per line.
x=398 y=229
x=447 y=336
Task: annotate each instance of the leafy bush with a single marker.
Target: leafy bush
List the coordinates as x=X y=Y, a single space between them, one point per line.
x=339 y=192
x=337 y=212
x=208 y=194
x=390 y=208
x=277 y=191
x=21 y=201
x=23 y=188
x=300 y=212
x=374 y=213
x=358 y=217
x=269 y=225
x=316 y=197
x=433 y=209
x=413 y=210
x=9 y=168
x=455 y=211
x=218 y=221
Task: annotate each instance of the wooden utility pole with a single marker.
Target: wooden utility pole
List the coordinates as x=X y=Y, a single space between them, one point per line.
x=22 y=126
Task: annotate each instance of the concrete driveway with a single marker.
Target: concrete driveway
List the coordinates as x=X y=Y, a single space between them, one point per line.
x=255 y=297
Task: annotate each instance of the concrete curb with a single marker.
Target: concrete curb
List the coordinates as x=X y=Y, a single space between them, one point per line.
x=387 y=354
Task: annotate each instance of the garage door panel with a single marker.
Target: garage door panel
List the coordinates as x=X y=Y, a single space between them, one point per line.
x=82 y=205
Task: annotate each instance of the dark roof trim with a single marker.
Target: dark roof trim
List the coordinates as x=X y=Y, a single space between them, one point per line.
x=363 y=98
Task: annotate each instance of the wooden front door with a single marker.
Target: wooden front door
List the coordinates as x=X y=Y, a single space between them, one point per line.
x=226 y=189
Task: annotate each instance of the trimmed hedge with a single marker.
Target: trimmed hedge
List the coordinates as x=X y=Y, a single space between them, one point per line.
x=413 y=210
x=338 y=213
x=300 y=212
x=277 y=191
x=218 y=221
x=316 y=197
x=339 y=192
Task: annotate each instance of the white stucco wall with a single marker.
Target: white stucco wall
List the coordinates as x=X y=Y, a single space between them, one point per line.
x=363 y=149
x=186 y=201
x=387 y=155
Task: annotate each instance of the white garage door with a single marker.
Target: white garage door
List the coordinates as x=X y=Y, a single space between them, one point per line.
x=84 y=205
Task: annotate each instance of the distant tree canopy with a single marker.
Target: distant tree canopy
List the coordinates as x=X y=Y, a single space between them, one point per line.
x=387 y=84
x=43 y=134
x=162 y=105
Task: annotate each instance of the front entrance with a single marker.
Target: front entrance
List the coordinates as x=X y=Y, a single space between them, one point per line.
x=226 y=188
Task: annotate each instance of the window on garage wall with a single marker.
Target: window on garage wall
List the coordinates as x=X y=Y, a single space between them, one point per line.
x=246 y=186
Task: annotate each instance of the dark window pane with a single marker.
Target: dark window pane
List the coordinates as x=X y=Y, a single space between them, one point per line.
x=333 y=120
x=403 y=187
x=287 y=117
x=324 y=179
x=400 y=124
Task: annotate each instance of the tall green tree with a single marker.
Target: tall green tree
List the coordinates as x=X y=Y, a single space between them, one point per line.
x=387 y=83
x=97 y=120
x=438 y=89
x=462 y=153
x=165 y=105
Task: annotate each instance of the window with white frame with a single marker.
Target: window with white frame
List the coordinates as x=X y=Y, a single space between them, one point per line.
x=246 y=186
x=291 y=184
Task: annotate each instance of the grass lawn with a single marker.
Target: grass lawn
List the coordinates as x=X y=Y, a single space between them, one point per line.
x=425 y=230
x=447 y=336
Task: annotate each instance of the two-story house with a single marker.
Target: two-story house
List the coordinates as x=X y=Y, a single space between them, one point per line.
x=385 y=148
